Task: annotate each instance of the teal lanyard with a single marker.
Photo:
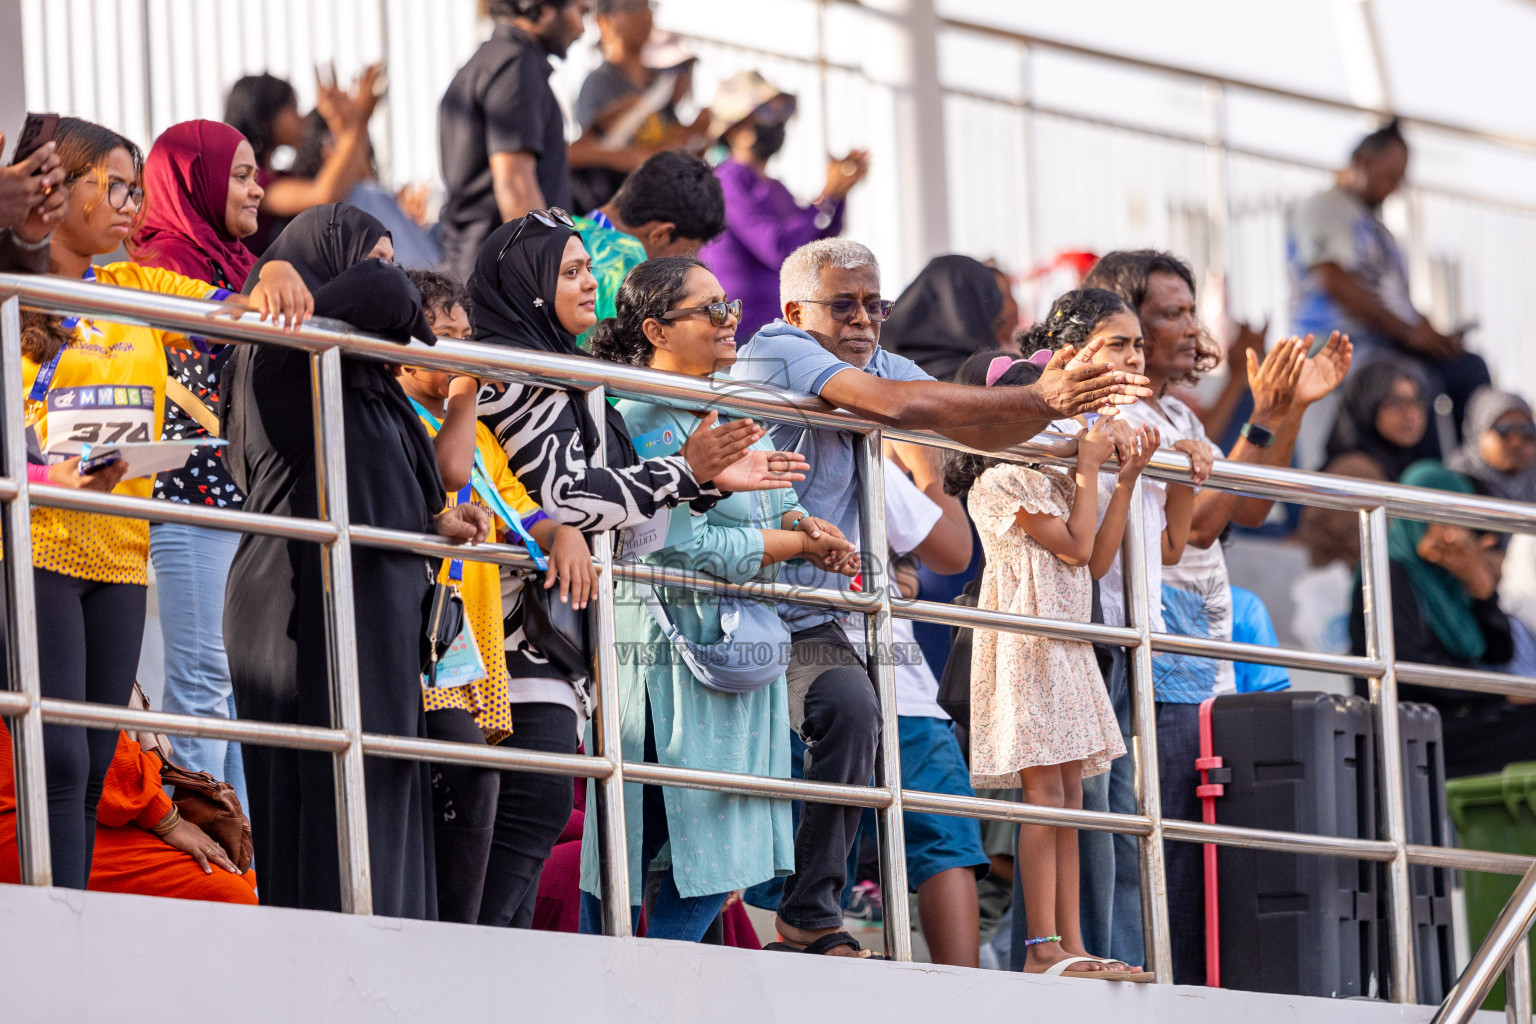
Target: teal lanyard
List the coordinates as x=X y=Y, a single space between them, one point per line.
x=480 y=479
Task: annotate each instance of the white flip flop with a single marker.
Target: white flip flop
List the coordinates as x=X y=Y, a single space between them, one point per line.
x=1059 y=970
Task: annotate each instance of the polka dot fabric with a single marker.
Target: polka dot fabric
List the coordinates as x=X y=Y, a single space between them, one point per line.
x=107 y=549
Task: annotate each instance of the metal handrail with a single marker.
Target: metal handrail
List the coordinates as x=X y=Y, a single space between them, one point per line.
x=608 y=767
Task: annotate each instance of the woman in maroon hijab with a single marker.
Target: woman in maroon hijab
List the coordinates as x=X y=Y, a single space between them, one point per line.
x=201 y=199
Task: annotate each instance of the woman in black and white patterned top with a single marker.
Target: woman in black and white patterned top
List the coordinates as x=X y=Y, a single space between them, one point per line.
x=533 y=288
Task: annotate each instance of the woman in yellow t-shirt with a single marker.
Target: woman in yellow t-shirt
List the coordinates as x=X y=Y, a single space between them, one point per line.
x=464 y=797
x=89 y=381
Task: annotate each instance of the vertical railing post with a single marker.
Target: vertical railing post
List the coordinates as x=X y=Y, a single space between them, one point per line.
x=614 y=859
x=341 y=633
x=1154 y=872
x=1029 y=178
x=1379 y=644
x=21 y=615
x=1517 y=984
x=877 y=580
x=1218 y=198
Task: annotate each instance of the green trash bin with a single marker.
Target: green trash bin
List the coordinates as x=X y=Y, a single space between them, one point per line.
x=1498 y=813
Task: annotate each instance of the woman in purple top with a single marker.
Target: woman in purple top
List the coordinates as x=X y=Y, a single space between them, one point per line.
x=763 y=222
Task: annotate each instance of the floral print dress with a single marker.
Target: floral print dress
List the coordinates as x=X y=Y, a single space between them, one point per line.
x=1034 y=701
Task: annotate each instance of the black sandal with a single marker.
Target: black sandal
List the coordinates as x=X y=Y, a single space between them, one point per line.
x=824 y=946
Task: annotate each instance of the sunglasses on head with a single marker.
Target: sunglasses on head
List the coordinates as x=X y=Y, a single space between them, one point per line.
x=1518 y=431
x=842 y=309
x=720 y=313
x=554 y=217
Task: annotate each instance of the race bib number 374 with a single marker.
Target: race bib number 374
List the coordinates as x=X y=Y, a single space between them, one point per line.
x=98 y=415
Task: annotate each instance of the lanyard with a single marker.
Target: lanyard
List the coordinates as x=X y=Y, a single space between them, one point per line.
x=456 y=565
x=600 y=218
x=480 y=480
x=48 y=370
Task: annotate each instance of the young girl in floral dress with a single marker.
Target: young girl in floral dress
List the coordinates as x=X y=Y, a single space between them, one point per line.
x=1040 y=714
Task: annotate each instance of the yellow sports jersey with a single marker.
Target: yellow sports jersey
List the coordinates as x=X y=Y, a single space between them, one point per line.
x=107 y=385
x=488 y=700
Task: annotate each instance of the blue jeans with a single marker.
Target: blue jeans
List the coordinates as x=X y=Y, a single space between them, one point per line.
x=671 y=916
x=191 y=569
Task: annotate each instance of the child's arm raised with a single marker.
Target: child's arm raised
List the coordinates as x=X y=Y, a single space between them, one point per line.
x=455 y=440
x=1071 y=539
x=1135 y=453
x=1180 y=506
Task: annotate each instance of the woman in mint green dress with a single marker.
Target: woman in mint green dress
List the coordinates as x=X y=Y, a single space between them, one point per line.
x=673 y=315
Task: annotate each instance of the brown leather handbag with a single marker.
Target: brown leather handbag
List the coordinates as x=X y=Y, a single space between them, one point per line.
x=212 y=806
x=203 y=800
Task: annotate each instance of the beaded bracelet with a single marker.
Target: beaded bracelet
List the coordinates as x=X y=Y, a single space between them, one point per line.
x=1043 y=938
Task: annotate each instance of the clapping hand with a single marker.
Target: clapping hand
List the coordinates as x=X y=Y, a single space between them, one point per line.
x=1325 y=371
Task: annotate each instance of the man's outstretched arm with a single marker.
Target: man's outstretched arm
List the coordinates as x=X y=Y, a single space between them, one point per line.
x=987 y=418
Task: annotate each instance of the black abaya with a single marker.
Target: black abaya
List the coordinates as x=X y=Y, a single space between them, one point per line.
x=274 y=621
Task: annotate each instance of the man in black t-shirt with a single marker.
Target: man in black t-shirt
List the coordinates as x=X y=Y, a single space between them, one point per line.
x=501 y=131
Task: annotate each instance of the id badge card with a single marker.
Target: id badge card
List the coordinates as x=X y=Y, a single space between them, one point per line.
x=667 y=528
x=460 y=665
x=98 y=415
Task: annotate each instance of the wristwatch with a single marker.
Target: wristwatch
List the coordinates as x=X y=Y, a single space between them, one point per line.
x=1259 y=437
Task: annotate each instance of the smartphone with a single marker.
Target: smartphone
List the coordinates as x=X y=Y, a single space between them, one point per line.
x=37 y=131
x=96 y=463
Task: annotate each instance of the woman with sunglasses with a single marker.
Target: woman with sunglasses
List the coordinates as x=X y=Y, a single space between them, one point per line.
x=97 y=382
x=673 y=315
x=1499 y=446
x=533 y=289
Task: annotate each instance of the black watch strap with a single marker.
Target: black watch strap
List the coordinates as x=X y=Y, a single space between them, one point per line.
x=1259 y=437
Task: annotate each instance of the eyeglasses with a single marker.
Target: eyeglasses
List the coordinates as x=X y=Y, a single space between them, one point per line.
x=1518 y=431
x=720 y=313
x=551 y=218
x=118 y=193
x=842 y=309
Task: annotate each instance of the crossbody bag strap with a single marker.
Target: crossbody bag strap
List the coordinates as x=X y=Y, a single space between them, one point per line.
x=193 y=406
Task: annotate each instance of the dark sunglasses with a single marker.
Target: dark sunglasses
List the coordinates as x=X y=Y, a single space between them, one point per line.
x=1520 y=431
x=842 y=310
x=554 y=217
x=720 y=313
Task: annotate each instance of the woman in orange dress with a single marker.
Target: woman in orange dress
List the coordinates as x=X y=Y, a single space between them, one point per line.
x=130 y=854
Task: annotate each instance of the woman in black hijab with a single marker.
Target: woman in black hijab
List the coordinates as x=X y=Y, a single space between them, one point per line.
x=952 y=309
x=274 y=619
x=533 y=288
x=1384 y=416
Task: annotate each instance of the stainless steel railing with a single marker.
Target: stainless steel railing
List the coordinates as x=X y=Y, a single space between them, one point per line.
x=349 y=744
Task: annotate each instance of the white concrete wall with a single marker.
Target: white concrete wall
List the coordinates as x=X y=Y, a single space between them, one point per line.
x=71 y=956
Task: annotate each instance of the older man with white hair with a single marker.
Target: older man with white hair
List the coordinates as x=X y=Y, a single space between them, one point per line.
x=828 y=344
